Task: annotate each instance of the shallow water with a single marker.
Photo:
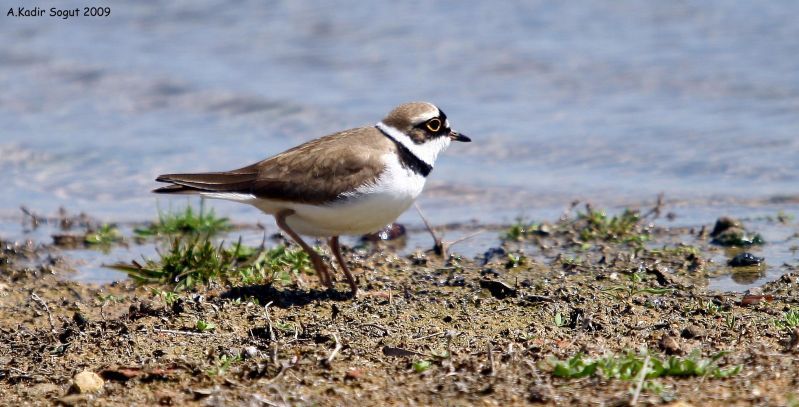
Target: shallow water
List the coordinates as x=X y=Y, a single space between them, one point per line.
x=608 y=101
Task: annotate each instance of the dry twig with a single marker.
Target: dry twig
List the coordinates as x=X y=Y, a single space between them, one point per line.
x=335 y=350
x=440 y=247
x=269 y=321
x=35 y=297
x=173 y=331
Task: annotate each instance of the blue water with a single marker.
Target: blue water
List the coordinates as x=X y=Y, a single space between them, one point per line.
x=608 y=101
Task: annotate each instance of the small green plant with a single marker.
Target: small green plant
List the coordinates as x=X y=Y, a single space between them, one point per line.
x=711 y=308
x=635 y=287
x=678 y=251
x=169 y=297
x=571 y=261
x=223 y=364
x=188 y=263
x=730 y=320
x=108 y=298
x=789 y=320
x=104 y=236
x=628 y=366
x=186 y=222
x=278 y=263
x=284 y=326
x=204 y=326
x=558 y=320
x=515 y=260
x=523 y=230
x=626 y=228
x=421 y=366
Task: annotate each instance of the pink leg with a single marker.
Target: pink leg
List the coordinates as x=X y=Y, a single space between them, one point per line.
x=316 y=259
x=334 y=245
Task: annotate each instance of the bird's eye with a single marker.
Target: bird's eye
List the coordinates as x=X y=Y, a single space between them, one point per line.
x=434 y=125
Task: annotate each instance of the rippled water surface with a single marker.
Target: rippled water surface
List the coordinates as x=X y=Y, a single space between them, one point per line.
x=611 y=101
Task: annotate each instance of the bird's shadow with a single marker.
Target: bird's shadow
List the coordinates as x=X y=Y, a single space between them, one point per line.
x=286 y=297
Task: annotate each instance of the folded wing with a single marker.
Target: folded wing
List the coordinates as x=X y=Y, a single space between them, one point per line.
x=316 y=172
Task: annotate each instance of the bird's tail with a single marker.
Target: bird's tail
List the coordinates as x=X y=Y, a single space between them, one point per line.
x=209 y=182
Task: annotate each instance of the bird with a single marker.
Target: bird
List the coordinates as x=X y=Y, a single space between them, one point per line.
x=351 y=182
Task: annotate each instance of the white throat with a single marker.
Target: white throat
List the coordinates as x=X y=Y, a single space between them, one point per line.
x=427 y=151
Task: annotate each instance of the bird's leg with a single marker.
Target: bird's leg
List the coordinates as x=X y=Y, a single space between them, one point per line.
x=334 y=245
x=316 y=259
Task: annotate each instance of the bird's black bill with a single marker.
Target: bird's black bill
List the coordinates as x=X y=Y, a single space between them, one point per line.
x=455 y=136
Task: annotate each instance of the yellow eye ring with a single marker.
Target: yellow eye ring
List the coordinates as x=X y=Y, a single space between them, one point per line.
x=434 y=125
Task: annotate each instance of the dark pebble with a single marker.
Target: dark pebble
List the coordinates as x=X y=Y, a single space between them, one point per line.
x=670 y=345
x=498 y=289
x=80 y=320
x=456 y=281
x=745 y=259
x=692 y=332
x=723 y=224
x=492 y=253
x=391 y=232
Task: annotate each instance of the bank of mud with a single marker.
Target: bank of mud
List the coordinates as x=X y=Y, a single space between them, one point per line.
x=426 y=330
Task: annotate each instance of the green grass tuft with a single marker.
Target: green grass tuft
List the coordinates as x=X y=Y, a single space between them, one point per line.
x=103 y=236
x=196 y=261
x=522 y=230
x=223 y=364
x=629 y=365
x=189 y=262
x=204 y=326
x=421 y=366
x=790 y=320
x=278 y=263
x=624 y=228
x=186 y=222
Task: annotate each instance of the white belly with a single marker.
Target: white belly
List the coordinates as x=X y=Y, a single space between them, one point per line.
x=365 y=210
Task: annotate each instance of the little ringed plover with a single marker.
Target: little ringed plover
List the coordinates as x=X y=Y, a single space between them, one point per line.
x=348 y=183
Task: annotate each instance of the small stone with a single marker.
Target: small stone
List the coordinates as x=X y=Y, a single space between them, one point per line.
x=754 y=291
x=250 y=352
x=498 y=289
x=43 y=389
x=723 y=224
x=392 y=231
x=736 y=236
x=353 y=373
x=87 y=382
x=75 y=400
x=745 y=259
x=491 y=254
x=80 y=320
x=692 y=332
x=670 y=345
x=539 y=393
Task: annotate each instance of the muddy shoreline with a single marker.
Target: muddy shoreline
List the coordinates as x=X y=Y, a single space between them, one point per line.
x=523 y=323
